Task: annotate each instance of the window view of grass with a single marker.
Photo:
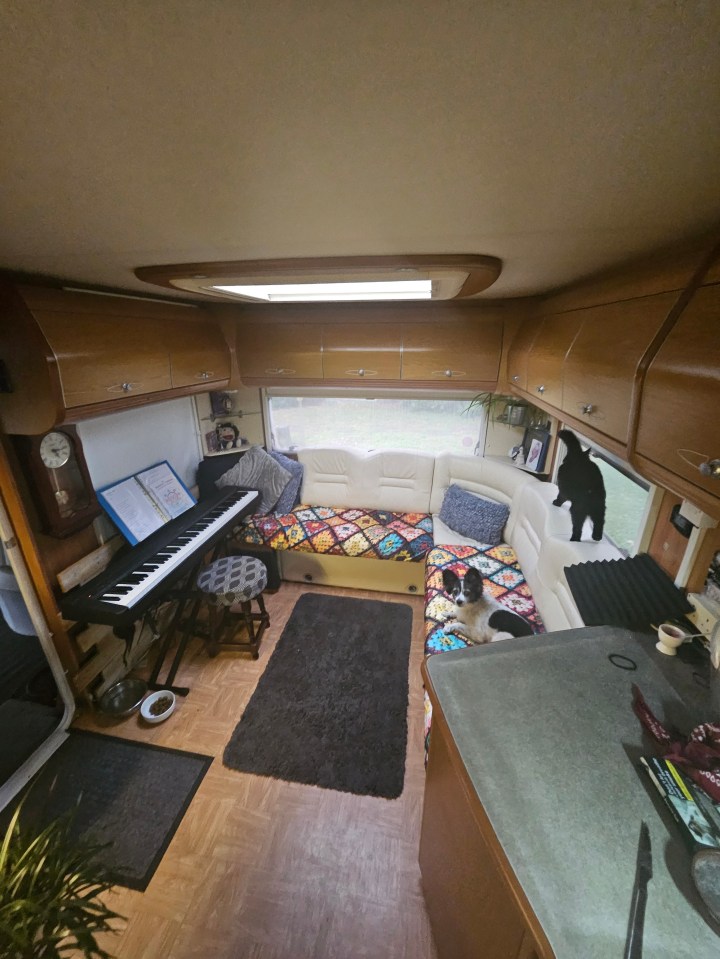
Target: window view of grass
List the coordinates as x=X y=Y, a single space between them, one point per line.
x=625 y=505
x=430 y=425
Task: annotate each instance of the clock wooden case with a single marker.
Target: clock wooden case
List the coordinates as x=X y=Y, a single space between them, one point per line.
x=56 y=471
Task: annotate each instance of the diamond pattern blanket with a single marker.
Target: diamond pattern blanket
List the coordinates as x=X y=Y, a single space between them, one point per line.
x=377 y=534
x=504 y=581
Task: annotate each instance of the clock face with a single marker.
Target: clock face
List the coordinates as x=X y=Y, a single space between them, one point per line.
x=55 y=450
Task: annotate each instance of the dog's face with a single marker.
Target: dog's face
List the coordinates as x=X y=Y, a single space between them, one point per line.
x=463 y=591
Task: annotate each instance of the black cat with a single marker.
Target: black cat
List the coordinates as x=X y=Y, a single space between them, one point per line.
x=581 y=482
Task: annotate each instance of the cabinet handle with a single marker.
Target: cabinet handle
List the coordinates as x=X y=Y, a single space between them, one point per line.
x=280 y=371
x=540 y=389
x=710 y=468
x=516 y=378
x=121 y=388
x=587 y=408
x=361 y=372
x=204 y=375
x=450 y=374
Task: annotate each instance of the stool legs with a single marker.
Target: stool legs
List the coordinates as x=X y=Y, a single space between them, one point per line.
x=223 y=625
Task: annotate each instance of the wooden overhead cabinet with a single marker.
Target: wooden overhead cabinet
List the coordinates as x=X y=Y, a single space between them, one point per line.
x=363 y=353
x=455 y=352
x=70 y=356
x=678 y=437
x=275 y=352
x=599 y=372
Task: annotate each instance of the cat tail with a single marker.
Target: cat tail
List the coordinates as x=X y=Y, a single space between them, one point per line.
x=571 y=441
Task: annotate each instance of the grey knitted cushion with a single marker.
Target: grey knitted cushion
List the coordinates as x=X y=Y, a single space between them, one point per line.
x=257 y=470
x=233 y=579
x=474 y=516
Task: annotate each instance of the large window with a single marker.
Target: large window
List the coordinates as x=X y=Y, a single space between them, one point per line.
x=626 y=498
x=380 y=422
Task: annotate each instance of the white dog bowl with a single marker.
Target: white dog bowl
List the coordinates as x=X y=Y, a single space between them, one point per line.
x=154 y=702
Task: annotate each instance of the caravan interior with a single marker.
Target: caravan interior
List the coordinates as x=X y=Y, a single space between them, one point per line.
x=364 y=263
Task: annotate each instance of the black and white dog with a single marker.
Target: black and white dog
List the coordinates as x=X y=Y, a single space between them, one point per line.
x=479 y=618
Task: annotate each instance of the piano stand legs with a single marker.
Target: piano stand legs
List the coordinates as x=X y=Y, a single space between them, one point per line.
x=188 y=630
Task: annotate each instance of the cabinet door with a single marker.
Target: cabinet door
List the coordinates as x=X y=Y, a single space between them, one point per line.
x=547 y=356
x=518 y=354
x=198 y=354
x=275 y=352
x=104 y=358
x=367 y=352
x=600 y=368
x=679 y=427
x=454 y=352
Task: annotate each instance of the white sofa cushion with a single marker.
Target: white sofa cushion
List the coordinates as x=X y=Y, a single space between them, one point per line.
x=498 y=481
x=398 y=480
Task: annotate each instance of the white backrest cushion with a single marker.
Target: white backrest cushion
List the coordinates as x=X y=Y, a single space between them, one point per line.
x=398 y=480
x=485 y=477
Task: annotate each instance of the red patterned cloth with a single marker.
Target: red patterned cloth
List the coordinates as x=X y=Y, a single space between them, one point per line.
x=698 y=755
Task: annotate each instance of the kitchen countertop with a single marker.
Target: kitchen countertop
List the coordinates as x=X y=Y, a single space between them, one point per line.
x=545 y=728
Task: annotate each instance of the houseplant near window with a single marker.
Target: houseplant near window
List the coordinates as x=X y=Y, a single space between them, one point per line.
x=49 y=894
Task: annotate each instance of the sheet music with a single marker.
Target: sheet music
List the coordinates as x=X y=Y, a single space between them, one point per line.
x=165 y=487
x=142 y=503
x=131 y=504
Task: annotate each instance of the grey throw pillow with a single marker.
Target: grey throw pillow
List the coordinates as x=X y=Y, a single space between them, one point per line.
x=257 y=470
x=474 y=516
x=290 y=496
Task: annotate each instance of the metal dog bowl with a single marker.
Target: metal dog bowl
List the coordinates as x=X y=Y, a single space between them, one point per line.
x=123 y=698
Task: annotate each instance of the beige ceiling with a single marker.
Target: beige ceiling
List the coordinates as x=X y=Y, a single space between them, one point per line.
x=560 y=135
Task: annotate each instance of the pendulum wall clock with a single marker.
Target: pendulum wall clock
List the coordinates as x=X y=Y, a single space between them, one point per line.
x=59 y=480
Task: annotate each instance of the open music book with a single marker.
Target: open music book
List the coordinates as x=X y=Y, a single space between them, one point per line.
x=145 y=501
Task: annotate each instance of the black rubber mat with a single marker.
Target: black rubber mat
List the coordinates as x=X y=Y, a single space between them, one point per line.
x=128 y=794
x=632 y=592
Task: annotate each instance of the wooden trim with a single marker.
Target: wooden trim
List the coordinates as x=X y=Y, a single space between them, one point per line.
x=29 y=548
x=482 y=271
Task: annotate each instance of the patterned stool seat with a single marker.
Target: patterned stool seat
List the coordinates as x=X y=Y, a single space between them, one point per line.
x=232 y=579
x=229 y=585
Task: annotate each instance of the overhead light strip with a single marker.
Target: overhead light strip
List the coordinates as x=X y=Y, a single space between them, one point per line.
x=332 y=292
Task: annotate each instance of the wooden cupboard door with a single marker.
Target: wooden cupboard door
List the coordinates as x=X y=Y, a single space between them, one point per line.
x=362 y=353
x=198 y=354
x=453 y=352
x=105 y=358
x=471 y=907
x=274 y=353
x=547 y=356
x=599 y=371
x=518 y=354
x=679 y=426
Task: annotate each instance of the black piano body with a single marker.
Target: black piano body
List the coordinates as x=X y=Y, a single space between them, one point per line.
x=138 y=578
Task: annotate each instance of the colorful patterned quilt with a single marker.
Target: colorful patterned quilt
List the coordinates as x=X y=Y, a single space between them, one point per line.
x=377 y=534
x=503 y=580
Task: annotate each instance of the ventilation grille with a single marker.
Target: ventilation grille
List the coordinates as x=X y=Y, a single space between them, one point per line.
x=632 y=593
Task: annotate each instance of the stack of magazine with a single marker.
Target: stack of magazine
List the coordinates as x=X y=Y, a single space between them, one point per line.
x=697 y=816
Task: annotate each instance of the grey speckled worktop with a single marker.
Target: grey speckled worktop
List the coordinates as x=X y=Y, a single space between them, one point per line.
x=545 y=728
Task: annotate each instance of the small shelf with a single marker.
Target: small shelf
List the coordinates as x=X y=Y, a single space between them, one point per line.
x=236 y=449
x=236 y=414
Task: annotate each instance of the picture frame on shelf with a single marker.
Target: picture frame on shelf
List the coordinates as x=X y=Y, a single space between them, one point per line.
x=535 y=446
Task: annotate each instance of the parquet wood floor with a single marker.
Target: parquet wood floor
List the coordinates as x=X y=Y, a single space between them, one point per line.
x=264 y=869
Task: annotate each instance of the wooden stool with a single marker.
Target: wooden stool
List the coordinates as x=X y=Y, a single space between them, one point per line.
x=229 y=585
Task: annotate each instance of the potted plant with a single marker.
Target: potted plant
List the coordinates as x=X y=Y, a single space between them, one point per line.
x=49 y=893
x=500 y=408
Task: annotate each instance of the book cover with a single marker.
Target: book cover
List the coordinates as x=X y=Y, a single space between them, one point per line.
x=697 y=816
x=143 y=502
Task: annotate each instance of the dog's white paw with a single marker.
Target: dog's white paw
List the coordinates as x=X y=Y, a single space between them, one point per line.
x=451 y=627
